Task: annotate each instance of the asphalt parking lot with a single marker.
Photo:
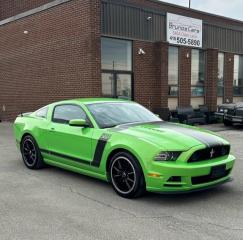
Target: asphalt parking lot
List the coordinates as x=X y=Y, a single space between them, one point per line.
x=56 y=204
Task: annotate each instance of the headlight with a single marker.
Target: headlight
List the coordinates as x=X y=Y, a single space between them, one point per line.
x=225 y=110
x=167 y=156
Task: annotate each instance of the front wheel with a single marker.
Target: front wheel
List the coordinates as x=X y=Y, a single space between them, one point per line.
x=31 y=153
x=127 y=176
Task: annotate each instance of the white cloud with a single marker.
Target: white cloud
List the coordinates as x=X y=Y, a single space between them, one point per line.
x=227 y=8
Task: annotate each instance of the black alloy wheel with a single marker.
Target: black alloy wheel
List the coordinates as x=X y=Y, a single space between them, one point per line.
x=126 y=176
x=31 y=154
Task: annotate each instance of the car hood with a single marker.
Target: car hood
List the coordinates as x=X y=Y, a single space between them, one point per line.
x=171 y=136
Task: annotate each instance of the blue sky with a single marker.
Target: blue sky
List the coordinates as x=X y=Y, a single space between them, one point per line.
x=227 y=8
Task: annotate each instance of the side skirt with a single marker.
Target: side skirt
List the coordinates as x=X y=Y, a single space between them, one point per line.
x=76 y=169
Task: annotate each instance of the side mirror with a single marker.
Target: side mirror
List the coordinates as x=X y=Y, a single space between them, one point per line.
x=78 y=123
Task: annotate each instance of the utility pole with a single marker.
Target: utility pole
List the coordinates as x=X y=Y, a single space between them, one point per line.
x=189 y=3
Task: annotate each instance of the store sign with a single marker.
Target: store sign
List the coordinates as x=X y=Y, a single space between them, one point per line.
x=184 y=30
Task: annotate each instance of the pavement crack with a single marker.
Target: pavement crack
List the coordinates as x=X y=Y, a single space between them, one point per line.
x=102 y=203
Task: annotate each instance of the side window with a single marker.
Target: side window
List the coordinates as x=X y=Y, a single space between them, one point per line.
x=42 y=113
x=65 y=113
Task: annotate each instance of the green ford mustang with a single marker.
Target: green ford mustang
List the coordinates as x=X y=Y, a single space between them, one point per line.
x=124 y=143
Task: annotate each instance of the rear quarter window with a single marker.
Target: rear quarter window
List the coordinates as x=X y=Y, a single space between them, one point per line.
x=42 y=113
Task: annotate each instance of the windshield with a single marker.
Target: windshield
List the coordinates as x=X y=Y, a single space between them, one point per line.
x=112 y=114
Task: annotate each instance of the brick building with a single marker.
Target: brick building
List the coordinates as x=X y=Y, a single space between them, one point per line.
x=59 y=49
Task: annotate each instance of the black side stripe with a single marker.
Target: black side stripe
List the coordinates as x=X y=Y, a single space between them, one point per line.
x=97 y=156
x=98 y=153
x=65 y=156
x=100 y=149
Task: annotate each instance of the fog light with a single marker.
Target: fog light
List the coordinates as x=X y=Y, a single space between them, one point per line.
x=174 y=179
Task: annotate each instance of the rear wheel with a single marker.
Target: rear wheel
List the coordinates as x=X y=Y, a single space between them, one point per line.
x=126 y=175
x=31 y=153
x=228 y=123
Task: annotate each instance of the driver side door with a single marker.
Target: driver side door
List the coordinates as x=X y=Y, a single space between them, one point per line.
x=67 y=144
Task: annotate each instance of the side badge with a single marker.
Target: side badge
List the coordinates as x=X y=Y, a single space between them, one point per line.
x=105 y=137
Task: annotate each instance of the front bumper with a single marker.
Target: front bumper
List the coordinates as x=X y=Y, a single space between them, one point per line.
x=186 y=177
x=219 y=115
x=229 y=179
x=234 y=119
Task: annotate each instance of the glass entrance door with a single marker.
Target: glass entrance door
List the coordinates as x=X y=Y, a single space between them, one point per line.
x=117 y=85
x=124 y=86
x=108 y=85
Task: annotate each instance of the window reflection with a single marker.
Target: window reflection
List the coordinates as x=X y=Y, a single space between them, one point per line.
x=124 y=82
x=220 y=74
x=108 y=84
x=238 y=76
x=173 y=90
x=173 y=71
x=197 y=91
x=173 y=66
x=116 y=54
x=198 y=67
x=116 y=68
x=197 y=72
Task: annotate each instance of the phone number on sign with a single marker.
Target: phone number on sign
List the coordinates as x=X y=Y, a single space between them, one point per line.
x=188 y=41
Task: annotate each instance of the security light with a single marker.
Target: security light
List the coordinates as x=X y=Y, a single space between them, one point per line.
x=141 y=51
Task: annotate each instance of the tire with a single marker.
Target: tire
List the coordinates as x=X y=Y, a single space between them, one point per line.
x=228 y=123
x=126 y=176
x=31 y=154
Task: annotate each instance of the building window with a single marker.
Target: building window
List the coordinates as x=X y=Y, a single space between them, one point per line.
x=238 y=76
x=197 y=73
x=173 y=71
x=116 y=61
x=220 y=75
x=116 y=54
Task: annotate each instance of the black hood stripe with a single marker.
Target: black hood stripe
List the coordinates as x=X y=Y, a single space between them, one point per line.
x=208 y=139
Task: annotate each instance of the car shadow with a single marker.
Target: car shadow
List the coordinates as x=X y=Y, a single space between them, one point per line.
x=189 y=198
x=238 y=127
x=155 y=198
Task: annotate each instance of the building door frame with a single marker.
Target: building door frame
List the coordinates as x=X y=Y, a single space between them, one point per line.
x=115 y=74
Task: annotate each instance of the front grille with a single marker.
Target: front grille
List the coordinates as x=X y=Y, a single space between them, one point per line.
x=231 y=112
x=208 y=178
x=210 y=153
x=239 y=112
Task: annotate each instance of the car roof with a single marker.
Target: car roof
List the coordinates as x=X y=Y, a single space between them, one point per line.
x=91 y=100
